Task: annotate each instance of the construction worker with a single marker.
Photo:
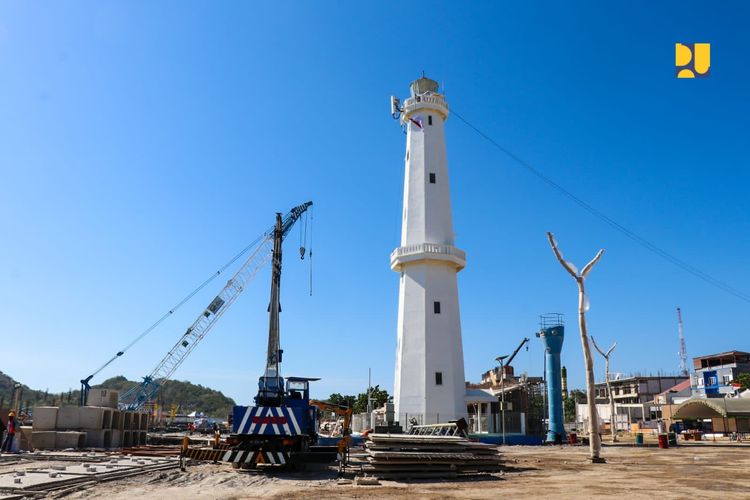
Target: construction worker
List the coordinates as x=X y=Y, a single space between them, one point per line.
x=11 y=428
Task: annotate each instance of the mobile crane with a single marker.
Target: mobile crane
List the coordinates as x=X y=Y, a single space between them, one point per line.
x=135 y=398
x=281 y=429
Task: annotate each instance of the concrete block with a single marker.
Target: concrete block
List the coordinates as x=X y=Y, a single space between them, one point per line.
x=135 y=421
x=127 y=439
x=142 y=436
x=144 y=421
x=99 y=438
x=103 y=397
x=116 y=438
x=43 y=440
x=70 y=439
x=45 y=418
x=127 y=420
x=93 y=417
x=25 y=443
x=117 y=421
x=107 y=419
x=67 y=418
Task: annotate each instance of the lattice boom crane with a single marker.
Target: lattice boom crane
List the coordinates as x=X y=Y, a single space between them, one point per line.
x=136 y=397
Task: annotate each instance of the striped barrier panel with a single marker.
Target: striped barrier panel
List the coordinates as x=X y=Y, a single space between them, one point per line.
x=269 y=420
x=238 y=456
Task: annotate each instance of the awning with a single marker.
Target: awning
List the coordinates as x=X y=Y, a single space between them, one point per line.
x=479 y=396
x=713 y=407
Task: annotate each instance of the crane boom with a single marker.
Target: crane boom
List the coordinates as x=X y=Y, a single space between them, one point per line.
x=271 y=384
x=136 y=397
x=525 y=339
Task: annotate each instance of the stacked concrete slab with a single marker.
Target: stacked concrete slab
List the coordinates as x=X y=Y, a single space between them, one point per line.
x=98 y=425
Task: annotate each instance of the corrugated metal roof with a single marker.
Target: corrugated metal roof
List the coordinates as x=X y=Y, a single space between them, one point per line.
x=722 y=354
x=685 y=384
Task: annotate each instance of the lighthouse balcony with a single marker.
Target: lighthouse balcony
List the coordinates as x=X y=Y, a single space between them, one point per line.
x=435 y=102
x=427 y=252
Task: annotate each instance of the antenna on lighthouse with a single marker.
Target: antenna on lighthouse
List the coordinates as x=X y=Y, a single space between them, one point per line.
x=683 y=349
x=396 y=108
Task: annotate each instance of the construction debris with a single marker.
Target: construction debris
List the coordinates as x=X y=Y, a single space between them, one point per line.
x=86 y=470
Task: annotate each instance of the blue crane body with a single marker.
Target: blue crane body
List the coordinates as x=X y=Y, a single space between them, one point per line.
x=281 y=428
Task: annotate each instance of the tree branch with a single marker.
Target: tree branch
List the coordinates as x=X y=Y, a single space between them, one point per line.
x=604 y=355
x=588 y=266
x=596 y=346
x=563 y=262
x=611 y=349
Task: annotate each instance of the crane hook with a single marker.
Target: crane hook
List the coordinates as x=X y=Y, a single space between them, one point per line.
x=302 y=253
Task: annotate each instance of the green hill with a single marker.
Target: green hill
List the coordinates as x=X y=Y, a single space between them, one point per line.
x=187 y=396
x=7 y=383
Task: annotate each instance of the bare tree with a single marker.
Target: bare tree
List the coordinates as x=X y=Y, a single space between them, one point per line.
x=595 y=444
x=606 y=355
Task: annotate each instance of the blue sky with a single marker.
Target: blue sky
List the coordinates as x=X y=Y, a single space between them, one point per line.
x=144 y=143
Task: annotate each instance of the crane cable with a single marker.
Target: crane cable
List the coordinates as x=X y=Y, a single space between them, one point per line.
x=611 y=222
x=309 y=252
x=182 y=302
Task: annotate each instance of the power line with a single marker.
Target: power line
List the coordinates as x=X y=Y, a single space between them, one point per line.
x=613 y=223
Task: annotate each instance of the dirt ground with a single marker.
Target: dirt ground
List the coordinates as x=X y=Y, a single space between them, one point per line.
x=692 y=471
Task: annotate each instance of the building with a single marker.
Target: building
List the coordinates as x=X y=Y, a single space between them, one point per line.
x=633 y=397
x=675 y=394
x=636 y=390
x=524 y=400
x=715 y=373
x=429 y=383
x=666 y=402
x=714 y=401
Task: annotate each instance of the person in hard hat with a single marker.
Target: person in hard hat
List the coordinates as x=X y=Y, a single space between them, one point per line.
x=11 y=428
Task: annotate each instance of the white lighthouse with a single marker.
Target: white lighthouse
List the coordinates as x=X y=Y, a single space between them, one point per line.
x=429 y=384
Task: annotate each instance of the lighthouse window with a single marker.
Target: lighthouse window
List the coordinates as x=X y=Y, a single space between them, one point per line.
x=436 y=306
x=429 y=120
x=432 y=178
x=438 y=378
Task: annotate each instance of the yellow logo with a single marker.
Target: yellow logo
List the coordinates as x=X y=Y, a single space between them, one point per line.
x=692 y=60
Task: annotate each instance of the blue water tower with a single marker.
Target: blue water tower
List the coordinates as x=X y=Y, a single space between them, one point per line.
x=552 y=333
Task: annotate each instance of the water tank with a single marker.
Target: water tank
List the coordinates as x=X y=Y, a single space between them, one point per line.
x=552 y=337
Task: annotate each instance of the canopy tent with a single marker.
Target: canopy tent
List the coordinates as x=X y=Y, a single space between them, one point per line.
x=713 y=408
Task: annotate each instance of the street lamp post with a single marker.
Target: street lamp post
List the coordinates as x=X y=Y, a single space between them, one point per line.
x=501 y=360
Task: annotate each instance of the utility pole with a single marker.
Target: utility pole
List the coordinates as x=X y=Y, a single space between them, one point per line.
x=369 y=390
x=369 y=398
x=17 y=395
x=501 y=360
